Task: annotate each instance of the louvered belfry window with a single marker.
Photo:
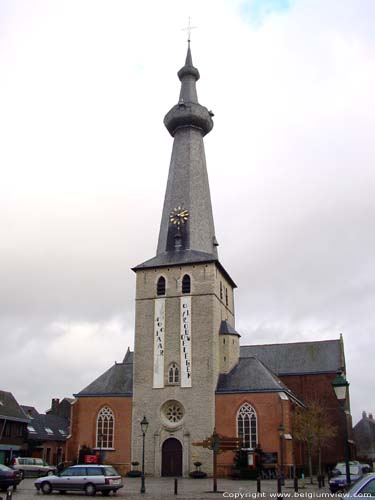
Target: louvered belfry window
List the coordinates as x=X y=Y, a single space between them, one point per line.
x=186 y=284
x=105 y=428
x=160 y=287
x=247 y=426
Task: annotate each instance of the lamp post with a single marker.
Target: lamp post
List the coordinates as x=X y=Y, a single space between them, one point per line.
x=340 y=386
x=144 y=427
x=281 y=434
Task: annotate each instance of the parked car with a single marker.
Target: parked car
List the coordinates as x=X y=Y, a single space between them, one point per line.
x=29 y=466
x=366 y=468
x=87 y=478
x=338 y=481
x=9 y=477
x=364 y=487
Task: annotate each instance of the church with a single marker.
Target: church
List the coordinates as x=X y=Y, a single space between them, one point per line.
x=188 y=374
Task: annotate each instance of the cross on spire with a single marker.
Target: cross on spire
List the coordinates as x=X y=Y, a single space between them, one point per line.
x=189 y=28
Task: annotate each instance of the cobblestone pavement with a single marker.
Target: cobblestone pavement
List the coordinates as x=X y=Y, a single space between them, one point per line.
x=163 y=488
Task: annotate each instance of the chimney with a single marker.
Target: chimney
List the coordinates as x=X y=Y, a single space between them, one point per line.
x=364 y=414
x=55 y=405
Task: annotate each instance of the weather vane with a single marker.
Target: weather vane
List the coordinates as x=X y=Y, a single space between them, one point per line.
x=188 y=29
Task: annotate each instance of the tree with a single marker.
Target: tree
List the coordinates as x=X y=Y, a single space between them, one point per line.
x=312 y=426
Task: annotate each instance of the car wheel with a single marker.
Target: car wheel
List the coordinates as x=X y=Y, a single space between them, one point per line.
x=14 y=487
x=90 y=490
x=106 y=493
x=46 y=488
x=22 y=474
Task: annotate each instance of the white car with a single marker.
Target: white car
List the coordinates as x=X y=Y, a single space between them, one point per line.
x=87 y=478
x=29 y=466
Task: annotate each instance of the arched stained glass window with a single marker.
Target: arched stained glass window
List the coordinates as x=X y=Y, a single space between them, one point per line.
x=247 y=426
x=186 y=284
x=105 y=427
x=160 y=287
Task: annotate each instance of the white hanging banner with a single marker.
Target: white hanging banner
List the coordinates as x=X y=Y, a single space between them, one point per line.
x=159 y=333
x=185 y=341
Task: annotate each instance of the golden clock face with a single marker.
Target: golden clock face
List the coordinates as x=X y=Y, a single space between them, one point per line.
x=178 y=216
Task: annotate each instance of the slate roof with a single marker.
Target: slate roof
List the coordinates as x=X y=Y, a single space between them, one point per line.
x=58 y=428
x=30 y=411
x=116 y=381
x=10 y=409
x=324 y=356
x=364 y=435
x=257 y=371
x=227 y=329
x=250 y=375
x=177 y=258
x=187 y=185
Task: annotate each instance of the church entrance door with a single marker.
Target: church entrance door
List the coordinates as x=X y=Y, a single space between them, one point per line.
x=171 y=458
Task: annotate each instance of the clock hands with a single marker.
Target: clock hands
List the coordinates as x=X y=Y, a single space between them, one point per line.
x=178 y=216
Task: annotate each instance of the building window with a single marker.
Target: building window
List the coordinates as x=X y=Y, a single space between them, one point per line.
x=221 y=291
x=160 y=287
x=173 y=374
x=186 y=284
x=172 y=413
x=226 y=296
x=105 y=428
x=247 y=426
x=7 y=429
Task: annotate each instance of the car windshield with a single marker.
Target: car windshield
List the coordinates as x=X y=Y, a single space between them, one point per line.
x=110 y=471
x=354 y=486
x=354 y=469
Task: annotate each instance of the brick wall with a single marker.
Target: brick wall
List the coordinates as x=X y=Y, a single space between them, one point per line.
x=270 y=410
x=319 y=387
x=83 y=429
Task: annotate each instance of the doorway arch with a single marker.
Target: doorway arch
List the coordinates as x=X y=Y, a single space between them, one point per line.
x=171 y=458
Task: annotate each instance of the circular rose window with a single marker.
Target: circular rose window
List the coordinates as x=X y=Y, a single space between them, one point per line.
x=172 y=413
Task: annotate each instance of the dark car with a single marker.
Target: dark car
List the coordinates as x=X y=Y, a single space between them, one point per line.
x=9 y=477
x=338 y=481
x=87 y=478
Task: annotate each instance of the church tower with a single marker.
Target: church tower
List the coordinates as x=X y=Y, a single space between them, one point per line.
x=184 y=327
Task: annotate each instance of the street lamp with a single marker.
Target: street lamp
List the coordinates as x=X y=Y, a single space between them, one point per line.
x=144 y=427
x=340 y=386
x=281 y=434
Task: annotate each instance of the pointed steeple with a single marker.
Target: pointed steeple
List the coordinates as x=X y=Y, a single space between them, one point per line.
x=187 y=232
x=188 y=186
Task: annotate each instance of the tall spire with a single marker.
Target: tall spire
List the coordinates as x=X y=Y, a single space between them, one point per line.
x=187 y=232
x=188 y=121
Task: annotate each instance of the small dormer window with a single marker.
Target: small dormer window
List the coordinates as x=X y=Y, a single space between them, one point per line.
x=186 y=284
x=173 y=374
x=160 y=287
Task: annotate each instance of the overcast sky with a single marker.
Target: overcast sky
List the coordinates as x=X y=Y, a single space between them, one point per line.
x=84 y=156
